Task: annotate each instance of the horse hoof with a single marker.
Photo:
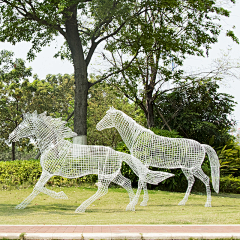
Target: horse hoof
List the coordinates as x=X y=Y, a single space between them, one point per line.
x=182 y=203
x=62 y=195
x=80 y=210
x=208 y=205
x=130 y=208
x=143 y=204
x=20 y=206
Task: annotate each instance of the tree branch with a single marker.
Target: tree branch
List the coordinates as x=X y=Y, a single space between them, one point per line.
x=162 y=117
x=111 y=74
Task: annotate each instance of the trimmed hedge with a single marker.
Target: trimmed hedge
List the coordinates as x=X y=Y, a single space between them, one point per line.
x=15 y=173
x=18 y=172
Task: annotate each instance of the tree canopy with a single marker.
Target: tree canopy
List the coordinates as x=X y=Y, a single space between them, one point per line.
x=164 y=37
x=198 y=111
x=18 y=94
x=85 y=24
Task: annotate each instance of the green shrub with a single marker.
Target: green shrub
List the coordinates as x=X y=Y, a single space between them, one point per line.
x=229 y=157
x=18 y=172
x=230 y=184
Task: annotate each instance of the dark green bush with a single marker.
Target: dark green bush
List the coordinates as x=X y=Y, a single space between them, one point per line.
x=16 y=173
x=230 y=184
x=229 y=157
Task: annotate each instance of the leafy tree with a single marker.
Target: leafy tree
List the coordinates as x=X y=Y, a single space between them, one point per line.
x=53 y=94
x=198 y=111
x=15 y=94
x=84 y=24
x=101 y=97
x=164 y=37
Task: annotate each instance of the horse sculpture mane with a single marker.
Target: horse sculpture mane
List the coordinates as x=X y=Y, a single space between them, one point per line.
x=56 y=124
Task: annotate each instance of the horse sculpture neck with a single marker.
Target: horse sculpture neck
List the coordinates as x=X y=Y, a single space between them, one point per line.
x=128 y=129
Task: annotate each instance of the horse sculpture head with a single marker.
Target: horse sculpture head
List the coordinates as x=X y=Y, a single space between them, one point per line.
x=25 y=129
x=108 y=120
x=42 y=127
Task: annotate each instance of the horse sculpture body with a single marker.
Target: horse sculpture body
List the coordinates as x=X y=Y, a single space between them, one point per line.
x=61 y=157
x=162 y=152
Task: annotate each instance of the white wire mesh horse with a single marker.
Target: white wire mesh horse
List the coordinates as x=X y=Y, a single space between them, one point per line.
x=61 y=157
x=163 y=152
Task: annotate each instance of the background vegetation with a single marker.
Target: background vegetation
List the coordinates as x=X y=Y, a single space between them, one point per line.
x=197 y=111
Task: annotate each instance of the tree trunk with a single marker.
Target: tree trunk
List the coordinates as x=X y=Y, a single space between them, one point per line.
x=13 y=151
x=81 y=81
x=150 y=115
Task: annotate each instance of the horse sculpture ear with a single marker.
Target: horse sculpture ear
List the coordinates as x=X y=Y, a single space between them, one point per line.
x=34 y=114
x=112 y=108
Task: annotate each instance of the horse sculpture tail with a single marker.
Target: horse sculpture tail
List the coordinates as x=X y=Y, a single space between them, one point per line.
x=215 y=166
x=144 y=174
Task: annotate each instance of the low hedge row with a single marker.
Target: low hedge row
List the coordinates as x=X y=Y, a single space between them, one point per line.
x=15 y=173
x=230 y=184
x=18 y=172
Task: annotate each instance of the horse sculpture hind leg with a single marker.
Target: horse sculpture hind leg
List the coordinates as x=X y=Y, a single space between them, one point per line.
x=191 y=180
x=125 y=183
x=133 y=203
x=145 y=196
x=198 y=172
x=39 y=187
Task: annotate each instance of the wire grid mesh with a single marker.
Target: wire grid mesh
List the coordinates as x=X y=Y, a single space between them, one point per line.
x=61 y=157
x=162 y=152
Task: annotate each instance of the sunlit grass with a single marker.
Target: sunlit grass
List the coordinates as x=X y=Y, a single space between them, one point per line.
x=110 y=209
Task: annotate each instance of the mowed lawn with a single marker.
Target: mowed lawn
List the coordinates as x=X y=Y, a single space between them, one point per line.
x=110 y=209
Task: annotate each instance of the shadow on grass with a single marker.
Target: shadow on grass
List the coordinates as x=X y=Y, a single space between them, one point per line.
x=54 y=209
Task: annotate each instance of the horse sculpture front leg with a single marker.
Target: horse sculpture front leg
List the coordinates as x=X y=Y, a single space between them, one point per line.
x=39 y=187
x=102 y=190
x=133 y=203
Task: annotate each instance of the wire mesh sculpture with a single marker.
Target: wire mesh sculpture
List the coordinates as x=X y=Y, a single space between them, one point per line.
x=162 y=152
x=61 y=157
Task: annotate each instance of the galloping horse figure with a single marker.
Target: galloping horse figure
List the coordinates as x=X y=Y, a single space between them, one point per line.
x=163 y=152
x=61 y=157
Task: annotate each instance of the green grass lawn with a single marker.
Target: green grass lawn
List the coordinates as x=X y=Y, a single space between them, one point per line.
x=110 y=209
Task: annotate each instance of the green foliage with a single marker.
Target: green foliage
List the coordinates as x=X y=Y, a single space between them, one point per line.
x=101 y=97
x=54 y=94
x=18 y=95
x=27 y=172
x=164 y=36
x=229 y=157
x=17 y=172
x=14 y=174
x=198 y=112
x=230 y=184
x=166 y=133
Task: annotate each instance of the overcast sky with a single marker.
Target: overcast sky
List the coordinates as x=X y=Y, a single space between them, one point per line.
x=45 y=63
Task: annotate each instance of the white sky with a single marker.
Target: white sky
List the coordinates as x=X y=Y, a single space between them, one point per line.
x=45 y=63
